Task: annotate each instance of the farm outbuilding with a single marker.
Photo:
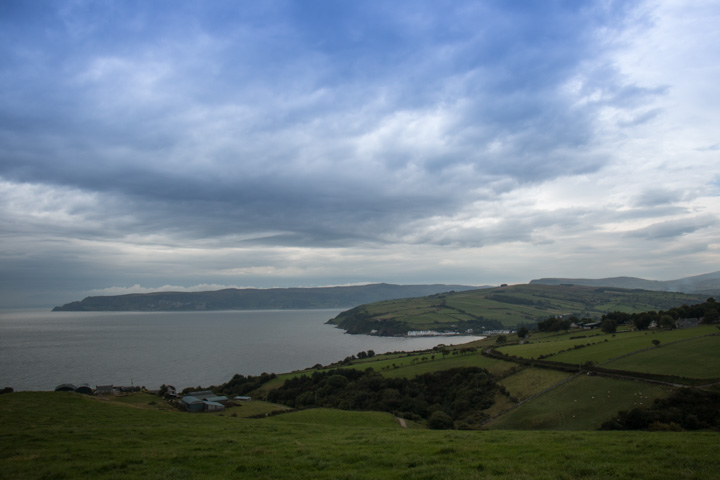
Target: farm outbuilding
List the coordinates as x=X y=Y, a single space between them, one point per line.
x=85 y=389
x=104 y=389
x=65 y=387
x=209 y=396
x=205 y=401
x=214 y=406
x=69 y=387
x=192 y=404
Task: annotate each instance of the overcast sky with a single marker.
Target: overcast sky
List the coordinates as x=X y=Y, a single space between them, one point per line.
x=155 y=145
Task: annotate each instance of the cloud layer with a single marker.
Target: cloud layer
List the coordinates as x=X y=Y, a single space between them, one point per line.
x=313 y=143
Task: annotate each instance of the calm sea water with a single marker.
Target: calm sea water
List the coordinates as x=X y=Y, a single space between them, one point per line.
x=40 y=349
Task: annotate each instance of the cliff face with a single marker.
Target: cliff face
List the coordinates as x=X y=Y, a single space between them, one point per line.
x=258 y=299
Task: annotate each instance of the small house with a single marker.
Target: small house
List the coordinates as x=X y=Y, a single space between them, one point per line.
x=686 y=322
x=104 y=390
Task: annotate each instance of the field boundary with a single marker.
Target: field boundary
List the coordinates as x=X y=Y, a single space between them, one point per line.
x=592 y=369
x=532 y=397
x=658 y=346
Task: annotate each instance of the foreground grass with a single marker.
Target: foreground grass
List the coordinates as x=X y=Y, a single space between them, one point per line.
x=61 y=435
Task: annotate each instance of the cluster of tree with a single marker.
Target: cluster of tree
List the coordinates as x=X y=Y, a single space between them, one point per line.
x=460 y=394
x=686 y=409
x=708 y=311
x=359 y=320
x=237 y=385
x=554 y=324
x=523 y=332
x=242 y=385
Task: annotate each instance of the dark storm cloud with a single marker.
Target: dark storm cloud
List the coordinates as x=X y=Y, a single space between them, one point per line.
x=280 y=141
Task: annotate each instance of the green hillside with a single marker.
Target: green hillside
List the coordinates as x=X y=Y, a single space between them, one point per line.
x=500 y=308
x=66 y=435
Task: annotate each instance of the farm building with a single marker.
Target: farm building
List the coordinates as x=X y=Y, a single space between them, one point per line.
x=85 y=389
x=242 y=398
x=193 y=404
x=686 y=322
x=203 y=402
x=104 y=390
x=214 y=406
x=65 y=387
x=208 y=396
x=69 y=387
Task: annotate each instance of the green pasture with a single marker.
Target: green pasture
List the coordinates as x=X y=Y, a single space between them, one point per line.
x=579 y=335
x=531 y=381
x=583 y=403
x=138 y=400
x=602 y=347
x=626 y=343
x=64 y=435
x=339 y=418
x=410 y=370
x=536 y=349
x=700 y=359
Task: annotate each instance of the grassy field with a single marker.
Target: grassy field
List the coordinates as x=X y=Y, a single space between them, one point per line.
x=531 y=381
x=583 y=403
x=64 y=435
x=700 y=359
x=410 y=364
x=603 y=347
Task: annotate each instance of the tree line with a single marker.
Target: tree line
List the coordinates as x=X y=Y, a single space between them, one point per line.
x=707 y=311
x=447 y=398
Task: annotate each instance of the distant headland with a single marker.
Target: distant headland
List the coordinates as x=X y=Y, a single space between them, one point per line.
x=257 y=299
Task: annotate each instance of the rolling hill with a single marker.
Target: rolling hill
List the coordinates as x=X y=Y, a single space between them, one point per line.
x=502 y=308
x=257 y=299
x=707 y=284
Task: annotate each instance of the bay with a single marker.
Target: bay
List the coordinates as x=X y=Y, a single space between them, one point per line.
x=40 y=349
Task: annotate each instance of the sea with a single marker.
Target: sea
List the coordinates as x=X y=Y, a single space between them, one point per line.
x=40 y=349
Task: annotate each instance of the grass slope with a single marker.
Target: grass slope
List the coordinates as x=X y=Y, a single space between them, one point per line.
x=700 y=359
x=599 y=347
x=583 y=403
x=63 y=435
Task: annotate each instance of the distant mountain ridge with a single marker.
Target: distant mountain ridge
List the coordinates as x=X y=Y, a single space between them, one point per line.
x=257 y=299
x=708 y=283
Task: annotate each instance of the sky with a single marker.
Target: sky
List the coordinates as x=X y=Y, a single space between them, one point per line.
x=192 y=145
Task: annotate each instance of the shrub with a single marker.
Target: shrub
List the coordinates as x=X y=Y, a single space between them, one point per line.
x=440 y=420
